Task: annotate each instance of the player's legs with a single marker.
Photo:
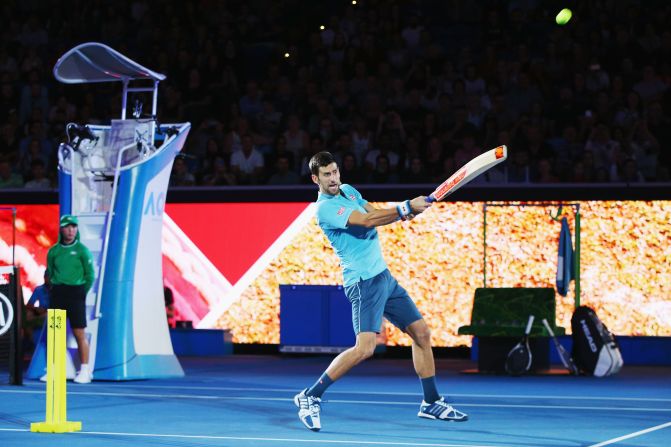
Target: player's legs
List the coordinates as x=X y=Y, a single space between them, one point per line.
x=346 y=360
x=422 y=353
x=402 y=312
x=368 y=298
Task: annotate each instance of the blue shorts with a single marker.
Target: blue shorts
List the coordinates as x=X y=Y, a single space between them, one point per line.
x=380 y=296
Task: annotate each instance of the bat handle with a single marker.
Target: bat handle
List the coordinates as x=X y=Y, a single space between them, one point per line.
x=430 y=199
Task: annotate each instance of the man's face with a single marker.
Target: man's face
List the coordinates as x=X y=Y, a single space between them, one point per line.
x=68 y=233
x=328 y=179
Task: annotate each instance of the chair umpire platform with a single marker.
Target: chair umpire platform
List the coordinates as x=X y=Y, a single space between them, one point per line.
x=498 y=321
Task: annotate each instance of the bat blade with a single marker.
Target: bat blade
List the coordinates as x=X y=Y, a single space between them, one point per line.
x=469 y=171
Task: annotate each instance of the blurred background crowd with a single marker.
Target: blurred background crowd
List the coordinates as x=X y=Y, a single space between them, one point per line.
x=402 y=91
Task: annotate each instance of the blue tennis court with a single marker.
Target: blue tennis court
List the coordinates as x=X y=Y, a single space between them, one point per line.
x=248 y=401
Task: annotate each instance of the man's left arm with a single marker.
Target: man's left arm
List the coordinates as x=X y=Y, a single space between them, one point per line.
x=370 y=208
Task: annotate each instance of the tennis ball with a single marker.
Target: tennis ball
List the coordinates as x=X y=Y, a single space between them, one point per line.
x=564 y=16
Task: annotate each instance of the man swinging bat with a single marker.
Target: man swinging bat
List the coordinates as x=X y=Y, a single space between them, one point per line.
x=349 y=223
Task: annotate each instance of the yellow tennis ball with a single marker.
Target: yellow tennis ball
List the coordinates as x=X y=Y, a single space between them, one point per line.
x=564 y=16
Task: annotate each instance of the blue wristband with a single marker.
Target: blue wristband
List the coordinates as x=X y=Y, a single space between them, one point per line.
x=404 y=209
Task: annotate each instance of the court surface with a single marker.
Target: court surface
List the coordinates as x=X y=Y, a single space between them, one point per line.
x=248 y=401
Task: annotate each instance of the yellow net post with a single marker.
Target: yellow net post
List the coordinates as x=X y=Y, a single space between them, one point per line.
x=56 y=414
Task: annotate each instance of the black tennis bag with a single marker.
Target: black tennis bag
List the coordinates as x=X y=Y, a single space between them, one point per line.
x=595 y=350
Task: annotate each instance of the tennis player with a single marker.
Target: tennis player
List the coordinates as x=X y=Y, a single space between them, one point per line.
x=349 y=223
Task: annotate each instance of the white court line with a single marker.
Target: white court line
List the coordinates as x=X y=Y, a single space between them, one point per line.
x=632 y=435
x=340 y=401
x=393 y=393
x=240 y=438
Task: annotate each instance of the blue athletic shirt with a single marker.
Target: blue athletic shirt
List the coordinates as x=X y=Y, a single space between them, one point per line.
x=357 y=247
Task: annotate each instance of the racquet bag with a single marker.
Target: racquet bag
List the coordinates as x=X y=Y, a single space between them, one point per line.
x=595 y=350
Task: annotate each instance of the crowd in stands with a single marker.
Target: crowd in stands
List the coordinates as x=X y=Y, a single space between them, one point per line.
x=400 y=91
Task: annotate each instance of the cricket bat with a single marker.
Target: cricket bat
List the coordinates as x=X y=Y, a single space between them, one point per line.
x=468 y=172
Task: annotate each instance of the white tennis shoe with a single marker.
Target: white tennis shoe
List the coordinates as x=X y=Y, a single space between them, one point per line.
x=308 y=410
x=441 y=410
x=84 y=376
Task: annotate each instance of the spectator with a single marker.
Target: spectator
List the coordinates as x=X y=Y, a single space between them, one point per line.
x=267 y=125
x=251 y=103
x=341 y=80
x=350 y=170
x=383 y=147
x=543 y=172
x=467 y=150
x=280 y=149
x=233 y=139
x=283 y=174
x=34 y=95
x=35 y=132
x=523 y=94
x=362 y=139
x=297 y=139
x=519 y=171
x=212 y=153
x=630 y=112
x=26 y=159
x=8 y=178
x=219 y=174
x=630 y=173
x=247 y=163
x=650 y=88
x=9 y=142
x=180 y=175
x=415 y=172
x=644 y=150
x=382 y=172
x=604 y=149
x=38 y=179
x=434 y=160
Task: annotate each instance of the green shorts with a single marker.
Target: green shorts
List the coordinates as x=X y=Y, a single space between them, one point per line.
x=377 y=297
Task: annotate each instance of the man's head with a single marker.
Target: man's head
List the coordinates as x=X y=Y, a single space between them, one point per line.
x=68 y=230
x=325 y=173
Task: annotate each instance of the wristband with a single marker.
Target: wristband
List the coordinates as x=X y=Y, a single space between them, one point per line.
x=404 y=209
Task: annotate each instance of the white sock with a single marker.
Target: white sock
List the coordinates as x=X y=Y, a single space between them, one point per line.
x=84 y=367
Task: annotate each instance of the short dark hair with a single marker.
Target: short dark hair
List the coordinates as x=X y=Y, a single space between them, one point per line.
x=320 y=160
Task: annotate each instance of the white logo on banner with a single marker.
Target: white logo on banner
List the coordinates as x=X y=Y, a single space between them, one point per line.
x=6 y=314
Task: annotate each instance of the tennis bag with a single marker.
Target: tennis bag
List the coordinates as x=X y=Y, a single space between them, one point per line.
x=595 y=350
